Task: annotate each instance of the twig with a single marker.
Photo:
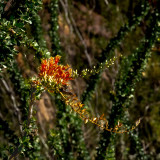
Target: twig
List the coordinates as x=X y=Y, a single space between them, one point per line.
x=68 y=14
x=19 y=148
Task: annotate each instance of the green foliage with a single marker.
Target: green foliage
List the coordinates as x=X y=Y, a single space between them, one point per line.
x=130 y=73
x=37 y=30
x=110 y=151
x=69 y=127
x=54 y=28
x=14 y=34
x=108 y=52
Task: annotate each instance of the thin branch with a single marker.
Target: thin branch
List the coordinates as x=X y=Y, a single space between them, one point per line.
x=17 y=111
x=71 y=22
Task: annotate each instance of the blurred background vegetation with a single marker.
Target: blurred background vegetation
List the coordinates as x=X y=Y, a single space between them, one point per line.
x=80 y=31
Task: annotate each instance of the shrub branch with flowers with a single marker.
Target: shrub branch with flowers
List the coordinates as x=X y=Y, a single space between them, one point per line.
x=53 y=77
x=15 y=19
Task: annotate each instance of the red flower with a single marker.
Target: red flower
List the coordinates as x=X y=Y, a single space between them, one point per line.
x=51 y=71
x=57 y=58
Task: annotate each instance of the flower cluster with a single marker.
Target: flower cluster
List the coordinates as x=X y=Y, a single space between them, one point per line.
x=52 y=71
x=51 y=74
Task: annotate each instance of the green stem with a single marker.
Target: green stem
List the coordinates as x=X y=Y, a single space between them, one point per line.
x=130 y=73
x=108 y=53
x=54 y=28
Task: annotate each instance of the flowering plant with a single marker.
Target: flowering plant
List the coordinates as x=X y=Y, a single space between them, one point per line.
x=53 y=77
